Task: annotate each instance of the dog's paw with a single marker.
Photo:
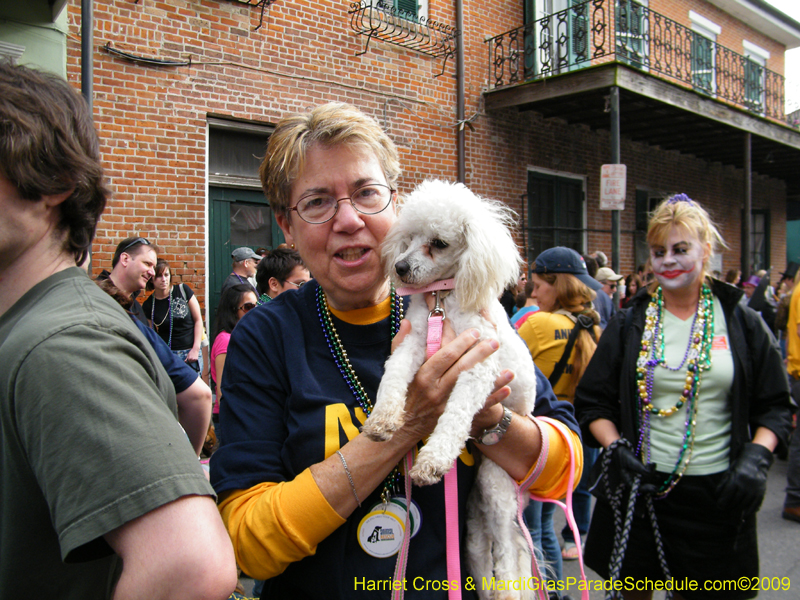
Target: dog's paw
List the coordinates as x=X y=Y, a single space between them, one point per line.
x=380 y=429
x=428 y=472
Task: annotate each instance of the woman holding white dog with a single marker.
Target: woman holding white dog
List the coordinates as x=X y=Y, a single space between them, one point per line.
x=561 y=337
x=300 y=488
x=688 y=395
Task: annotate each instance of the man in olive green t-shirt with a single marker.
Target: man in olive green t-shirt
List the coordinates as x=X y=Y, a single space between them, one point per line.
x=101 y=494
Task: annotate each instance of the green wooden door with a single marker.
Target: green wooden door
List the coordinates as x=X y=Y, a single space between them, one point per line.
x=236 y=218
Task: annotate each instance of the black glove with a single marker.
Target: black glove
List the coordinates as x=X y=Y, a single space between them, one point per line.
x=744 y=485
x=628 y=466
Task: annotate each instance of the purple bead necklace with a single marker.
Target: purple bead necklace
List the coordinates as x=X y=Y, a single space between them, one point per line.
x=696 y=359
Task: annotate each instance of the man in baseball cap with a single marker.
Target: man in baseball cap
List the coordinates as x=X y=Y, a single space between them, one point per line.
x=605 y=303
x=245 y=262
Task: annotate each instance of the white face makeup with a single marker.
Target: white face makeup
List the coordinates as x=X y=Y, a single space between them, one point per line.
x=679 y=265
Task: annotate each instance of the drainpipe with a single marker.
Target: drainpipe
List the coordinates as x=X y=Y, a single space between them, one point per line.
x=87 y=23
x=461 y=144
x=87 y=72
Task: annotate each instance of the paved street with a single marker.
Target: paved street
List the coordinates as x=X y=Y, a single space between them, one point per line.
x=778 y=542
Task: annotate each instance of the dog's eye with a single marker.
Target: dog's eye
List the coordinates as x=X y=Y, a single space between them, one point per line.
x=441 y=245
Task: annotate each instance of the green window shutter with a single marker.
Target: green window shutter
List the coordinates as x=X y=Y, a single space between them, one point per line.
x=409 y=6
x=753 y=82
x=555 y=213
x=702 y=63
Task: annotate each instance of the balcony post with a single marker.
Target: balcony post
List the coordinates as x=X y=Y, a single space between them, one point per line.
x=615 y=159
x=747 y=219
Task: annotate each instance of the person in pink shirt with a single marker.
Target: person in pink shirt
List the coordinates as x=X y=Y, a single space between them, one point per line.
x=236 y=302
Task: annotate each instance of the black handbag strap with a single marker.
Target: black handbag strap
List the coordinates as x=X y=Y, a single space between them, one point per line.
x=558 y=370
x=583 y=322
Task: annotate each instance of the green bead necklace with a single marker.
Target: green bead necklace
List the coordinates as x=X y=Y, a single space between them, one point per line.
x=390 y=484
x=696 y=359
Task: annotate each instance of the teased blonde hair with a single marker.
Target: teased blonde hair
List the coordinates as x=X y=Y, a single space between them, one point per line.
x=687 y=214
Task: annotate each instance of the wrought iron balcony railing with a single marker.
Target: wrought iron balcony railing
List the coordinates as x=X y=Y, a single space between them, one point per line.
x=381 y=20
x=623 y=31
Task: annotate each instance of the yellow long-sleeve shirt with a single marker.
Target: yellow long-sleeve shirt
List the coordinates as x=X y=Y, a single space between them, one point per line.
x=271 y=524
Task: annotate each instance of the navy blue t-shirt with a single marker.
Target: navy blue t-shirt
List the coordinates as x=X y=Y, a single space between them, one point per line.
x=181 y=374
x=288 y=407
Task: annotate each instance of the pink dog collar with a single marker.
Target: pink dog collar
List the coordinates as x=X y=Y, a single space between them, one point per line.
x=436 y=286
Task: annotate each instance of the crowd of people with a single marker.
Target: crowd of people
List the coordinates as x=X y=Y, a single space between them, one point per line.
x=106 y=400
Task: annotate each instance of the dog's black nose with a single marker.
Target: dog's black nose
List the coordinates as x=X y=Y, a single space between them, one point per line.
x=402 y=267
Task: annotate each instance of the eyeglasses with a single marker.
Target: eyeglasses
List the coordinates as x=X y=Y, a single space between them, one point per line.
x=298 y=285
x=612 y=286
x=319 y=208
x=247 y=306
x=134 y=242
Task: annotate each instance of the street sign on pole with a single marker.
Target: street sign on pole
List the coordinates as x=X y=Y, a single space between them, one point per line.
x=612 y=187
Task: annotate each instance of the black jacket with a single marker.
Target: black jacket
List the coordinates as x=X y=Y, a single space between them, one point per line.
x=759 y=393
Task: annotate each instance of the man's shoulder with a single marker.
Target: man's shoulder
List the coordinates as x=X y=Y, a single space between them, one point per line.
x=64 y=302
x=232 y=279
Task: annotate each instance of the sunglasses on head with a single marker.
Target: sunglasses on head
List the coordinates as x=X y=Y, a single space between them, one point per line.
x=247 y=306
x=134 y=242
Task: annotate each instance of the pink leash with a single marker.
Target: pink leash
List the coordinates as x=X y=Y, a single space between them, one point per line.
x=433 y=343
x=522 y=490
x=402 y=558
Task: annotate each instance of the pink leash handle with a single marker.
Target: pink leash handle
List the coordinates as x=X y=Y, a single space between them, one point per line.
x=565 y=433
x=434 y=342
x=402 y=558
x=451 y=524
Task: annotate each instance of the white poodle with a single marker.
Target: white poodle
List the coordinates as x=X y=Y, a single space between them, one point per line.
x=445 y=231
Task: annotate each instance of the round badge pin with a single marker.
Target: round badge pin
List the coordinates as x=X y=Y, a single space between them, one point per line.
x=380 y=534
x=398 y=509
x=415 y=515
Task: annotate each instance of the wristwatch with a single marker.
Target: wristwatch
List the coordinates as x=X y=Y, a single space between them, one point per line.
x=490 y=437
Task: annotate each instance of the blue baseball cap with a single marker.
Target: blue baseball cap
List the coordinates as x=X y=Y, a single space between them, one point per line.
x=565 y=260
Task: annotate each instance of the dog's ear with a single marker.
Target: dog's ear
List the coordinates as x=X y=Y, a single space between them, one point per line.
x=390 y=250
x=491 y=260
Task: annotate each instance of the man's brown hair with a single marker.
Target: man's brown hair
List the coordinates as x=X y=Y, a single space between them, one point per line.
x=48 y=146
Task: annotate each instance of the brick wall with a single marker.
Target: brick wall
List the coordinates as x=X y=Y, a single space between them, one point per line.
x=152 y=119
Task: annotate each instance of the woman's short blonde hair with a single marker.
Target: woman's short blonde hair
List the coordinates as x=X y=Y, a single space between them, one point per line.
x=683 y=212
x=330 y=125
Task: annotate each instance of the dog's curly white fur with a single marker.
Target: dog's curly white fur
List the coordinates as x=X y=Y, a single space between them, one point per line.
x=446 y=231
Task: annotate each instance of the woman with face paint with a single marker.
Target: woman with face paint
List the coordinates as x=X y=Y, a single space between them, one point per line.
x=687 y=394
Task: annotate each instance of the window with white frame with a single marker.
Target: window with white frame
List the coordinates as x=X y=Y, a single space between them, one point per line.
x=633 y=29
x=704 y=40
x=755 y=64
x=415 y=8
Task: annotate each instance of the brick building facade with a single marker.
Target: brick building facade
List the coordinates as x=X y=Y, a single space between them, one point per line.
x=203 y=78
